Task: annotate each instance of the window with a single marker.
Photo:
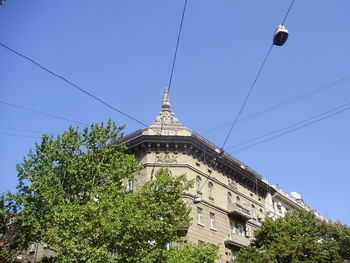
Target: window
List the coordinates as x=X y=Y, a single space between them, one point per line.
x=199 y=216
x=240 y=229
x=238 y=200
x=211 y=190
x=130 y=186
x=212 y=220
x=198 y=183
x=229 y=198
x=279 y=207
x=253 y=212
x=232 y=228
x=233 y=255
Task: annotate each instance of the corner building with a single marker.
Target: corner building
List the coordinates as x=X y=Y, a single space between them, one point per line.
x=229 y=200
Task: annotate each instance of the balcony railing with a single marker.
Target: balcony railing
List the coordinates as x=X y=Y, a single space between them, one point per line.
x=234 y=240
x=238 y=211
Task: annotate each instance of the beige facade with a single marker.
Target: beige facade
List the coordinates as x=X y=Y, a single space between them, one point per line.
x=229 y=200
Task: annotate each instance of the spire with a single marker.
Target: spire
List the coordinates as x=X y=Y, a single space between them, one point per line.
x=166 y=101
x=166 y=123
x=166 y=116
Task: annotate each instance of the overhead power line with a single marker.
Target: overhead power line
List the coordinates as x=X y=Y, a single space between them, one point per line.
x=290 y=7
x=42 y=113
x=172 y=70
x=253 y=84
x=17 y=129
x=20 y=136
x=291 y=128
x=247 y=96
x=286 y=102
x=177 y=45
x=73 y=85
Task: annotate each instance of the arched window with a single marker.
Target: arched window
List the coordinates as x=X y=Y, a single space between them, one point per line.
x=229 y=198
x=210 y=190
x=238 y=200
x=198 y=183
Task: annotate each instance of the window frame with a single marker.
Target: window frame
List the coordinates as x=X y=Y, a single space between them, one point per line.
x=229 y=198
x=211 y=190
x=198 y=183
x=199 y=216
x=212 y=221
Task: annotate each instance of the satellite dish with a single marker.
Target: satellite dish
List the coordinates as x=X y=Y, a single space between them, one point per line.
x=296 y=195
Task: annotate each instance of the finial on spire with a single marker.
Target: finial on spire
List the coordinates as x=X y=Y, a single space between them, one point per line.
x=166 y=101
x=166 y=116
x=166 y=122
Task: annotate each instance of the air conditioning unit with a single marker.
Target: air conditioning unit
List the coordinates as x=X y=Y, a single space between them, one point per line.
x=248 y=234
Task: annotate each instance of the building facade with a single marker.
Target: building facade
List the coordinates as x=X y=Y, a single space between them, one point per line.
x=229 y=200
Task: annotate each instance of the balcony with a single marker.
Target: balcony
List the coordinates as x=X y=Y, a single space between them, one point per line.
x=239 y=211
x=181 y=231
x=234 y=240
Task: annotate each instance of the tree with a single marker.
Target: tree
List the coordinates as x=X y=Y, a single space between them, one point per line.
x=193 y=254
x=72 y=196
x=298 y=237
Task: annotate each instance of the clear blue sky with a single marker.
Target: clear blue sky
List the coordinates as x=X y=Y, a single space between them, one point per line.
x=121 y=51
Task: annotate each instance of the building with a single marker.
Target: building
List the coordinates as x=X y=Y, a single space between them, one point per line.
x=229 y=201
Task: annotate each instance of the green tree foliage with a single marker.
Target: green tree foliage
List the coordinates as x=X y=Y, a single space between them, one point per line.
x=3 y=216
x=193 y=254
x=72 y=196
x=298 y=237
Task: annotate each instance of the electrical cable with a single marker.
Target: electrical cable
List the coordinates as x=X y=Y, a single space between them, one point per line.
x=42 y=113
x=172 y=71
x=177 y=46
x=73 y=85
x=247 y=96
x=286 y=102
x=299 y=127
x=286 y=128
x=21 y=136
x=338 y=110
x=290 y=7
x=23 y=130
x=253 y=84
